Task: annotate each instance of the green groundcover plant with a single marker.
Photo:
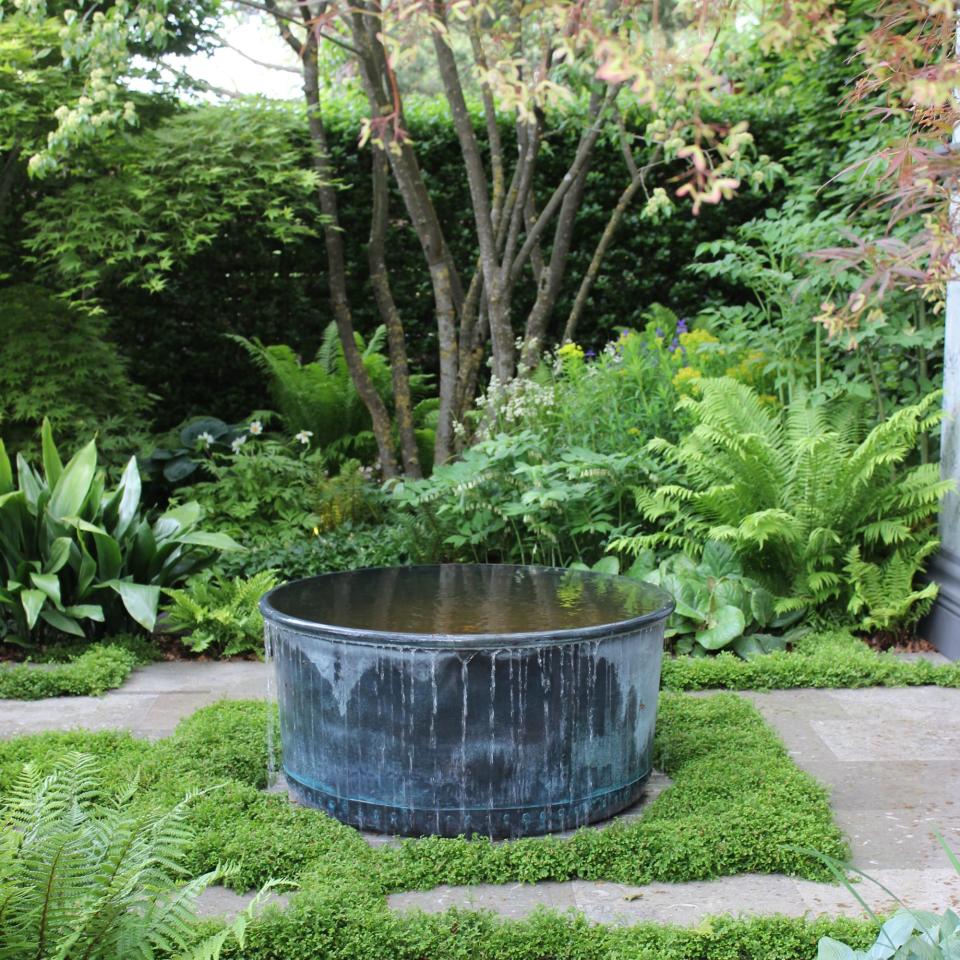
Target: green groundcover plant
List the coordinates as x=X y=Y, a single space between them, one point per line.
x=100 y=668
x=75 y=555
x=737 y=803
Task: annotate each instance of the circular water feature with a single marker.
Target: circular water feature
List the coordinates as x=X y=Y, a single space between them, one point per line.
x=466 y=698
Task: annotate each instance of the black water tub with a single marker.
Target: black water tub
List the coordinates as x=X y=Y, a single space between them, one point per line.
x=459 y=699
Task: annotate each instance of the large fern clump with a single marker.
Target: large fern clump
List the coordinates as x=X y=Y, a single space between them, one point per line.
x=320 y=396
x=819 y=508
x=82 y=878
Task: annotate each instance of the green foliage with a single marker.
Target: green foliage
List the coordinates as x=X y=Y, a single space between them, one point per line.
x=85 y=877
x=75 y=554
x=218 y=613
x=346 y=497
x=805 y=498
x=99 y=668
x=262 y=492
x=717 y=606
x=898 y=353
x=507 y=499
x=57 y=363
x=907 y=935
x=202 y=435
x=347 y=547
x=137 y=221
x=737 y=801
x=320 y=396
x=831 y=659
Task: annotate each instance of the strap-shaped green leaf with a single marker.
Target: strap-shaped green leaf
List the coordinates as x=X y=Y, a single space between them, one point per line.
x=32 y=602
x=6 y=471
x=52 y=464
x=73 y=486
x=62 y=622
x=140 y=601
x=49 y=583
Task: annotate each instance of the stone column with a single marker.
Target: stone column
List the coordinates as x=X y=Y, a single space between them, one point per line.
x=943 y=625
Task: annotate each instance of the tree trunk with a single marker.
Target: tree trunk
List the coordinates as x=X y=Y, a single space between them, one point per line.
x=336 y=265
x=396 y=341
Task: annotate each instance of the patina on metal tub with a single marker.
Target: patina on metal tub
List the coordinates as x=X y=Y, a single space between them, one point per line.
x=459 y=699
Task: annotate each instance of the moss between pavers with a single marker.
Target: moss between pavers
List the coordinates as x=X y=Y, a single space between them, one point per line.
x=326 y=926
x=831 y=659
x=100 y=668
x=737 y=804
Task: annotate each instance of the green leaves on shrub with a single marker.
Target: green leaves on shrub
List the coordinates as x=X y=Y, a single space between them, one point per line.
x=74 y=554
x=717 y=606
x=820 y=509
x=220 y=613
x=508 y=500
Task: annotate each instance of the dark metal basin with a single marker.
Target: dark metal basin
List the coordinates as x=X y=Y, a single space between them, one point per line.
x=459 y=699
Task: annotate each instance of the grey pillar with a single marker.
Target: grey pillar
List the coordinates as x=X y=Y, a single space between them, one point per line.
x=942 y=627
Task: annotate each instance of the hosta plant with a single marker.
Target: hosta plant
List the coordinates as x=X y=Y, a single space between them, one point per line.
x=718 y=607
x=218 y=614
x=89 y=878
x=74 y=555
x=820 y=509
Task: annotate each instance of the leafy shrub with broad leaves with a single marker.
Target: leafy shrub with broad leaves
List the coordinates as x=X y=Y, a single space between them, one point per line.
x=265 y=490
x=75 y=554
x=92 y=878
x=218 y=614
x=195 y=442
x=820 y=509
x=718 y=607
x=506 y=500
x=907 y=935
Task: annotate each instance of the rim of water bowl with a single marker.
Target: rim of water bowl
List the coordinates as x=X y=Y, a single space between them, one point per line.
x=399 y=638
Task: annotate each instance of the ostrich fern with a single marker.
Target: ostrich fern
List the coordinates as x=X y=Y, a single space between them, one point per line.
x=85 y=880
x=817 y=507
x=320 y=396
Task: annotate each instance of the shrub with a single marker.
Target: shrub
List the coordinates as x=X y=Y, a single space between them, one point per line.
x=820 y=510
x=57 y=363
x=219 y=613
x=75 y=554
x=508 y=499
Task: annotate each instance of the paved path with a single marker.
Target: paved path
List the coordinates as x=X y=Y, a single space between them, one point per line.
x=890 y=758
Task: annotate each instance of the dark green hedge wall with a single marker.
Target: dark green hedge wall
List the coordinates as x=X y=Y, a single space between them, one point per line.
x=244 y=284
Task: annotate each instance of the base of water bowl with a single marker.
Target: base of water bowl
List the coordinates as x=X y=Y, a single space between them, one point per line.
x=497 y=823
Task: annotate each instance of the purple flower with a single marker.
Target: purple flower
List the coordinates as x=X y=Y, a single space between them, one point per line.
x=659 y=331
x=681 y=326
x=589 y=353
x=674 y=343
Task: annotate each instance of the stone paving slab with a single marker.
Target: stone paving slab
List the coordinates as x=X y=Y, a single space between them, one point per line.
x=688 y=904
x=154 y=699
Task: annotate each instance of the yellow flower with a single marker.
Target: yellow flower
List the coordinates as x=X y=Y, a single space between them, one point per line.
x=685 y=376
x=570 y=351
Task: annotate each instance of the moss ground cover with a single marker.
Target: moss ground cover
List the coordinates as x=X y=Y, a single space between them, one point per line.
x=736 y=803
x=100 y=668
x=831 y=659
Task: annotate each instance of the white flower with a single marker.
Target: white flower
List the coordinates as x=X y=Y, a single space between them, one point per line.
x=304 y=436
x=205 y=438
x=256 y=428
x=237 y=443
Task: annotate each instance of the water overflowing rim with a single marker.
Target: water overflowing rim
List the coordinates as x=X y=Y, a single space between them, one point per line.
x=399 y=638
